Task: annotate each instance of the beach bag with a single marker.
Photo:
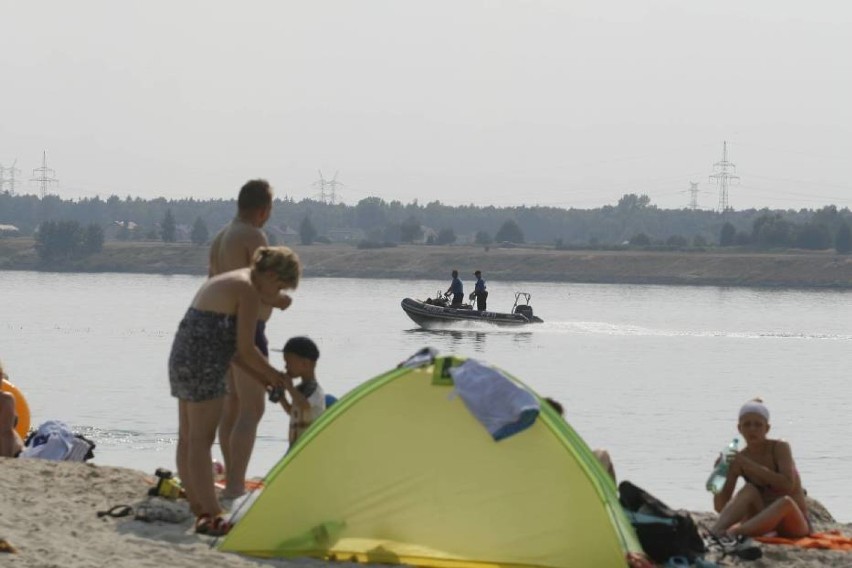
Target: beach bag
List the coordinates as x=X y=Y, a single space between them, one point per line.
x=662 y=531
x=54 y=440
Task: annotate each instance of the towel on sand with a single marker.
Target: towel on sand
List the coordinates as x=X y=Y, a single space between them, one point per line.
x=831 y=540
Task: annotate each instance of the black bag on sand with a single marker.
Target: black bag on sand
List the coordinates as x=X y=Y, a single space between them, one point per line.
x=662 y=531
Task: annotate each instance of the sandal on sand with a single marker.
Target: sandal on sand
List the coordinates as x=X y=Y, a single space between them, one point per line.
x=212 y=526
x=117 y=512
x=740 y=546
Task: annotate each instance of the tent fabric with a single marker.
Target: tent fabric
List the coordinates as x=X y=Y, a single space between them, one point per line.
x=399 y=471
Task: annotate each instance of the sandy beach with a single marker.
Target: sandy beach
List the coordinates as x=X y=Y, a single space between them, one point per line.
x=48 y=512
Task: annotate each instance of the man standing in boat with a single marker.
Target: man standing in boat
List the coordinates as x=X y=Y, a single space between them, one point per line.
x=457 y=289
x=479 y=292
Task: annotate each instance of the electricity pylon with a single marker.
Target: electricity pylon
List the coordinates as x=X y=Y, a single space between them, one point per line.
x=723 y=174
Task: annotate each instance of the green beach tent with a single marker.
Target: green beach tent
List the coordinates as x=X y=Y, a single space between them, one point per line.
x=399 y=471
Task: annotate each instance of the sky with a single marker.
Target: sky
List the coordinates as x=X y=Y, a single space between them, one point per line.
x=555 y=103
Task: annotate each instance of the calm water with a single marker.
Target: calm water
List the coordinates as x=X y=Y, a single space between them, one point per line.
x=653 y=373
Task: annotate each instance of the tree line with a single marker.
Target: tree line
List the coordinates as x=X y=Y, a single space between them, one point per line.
x=632 y=221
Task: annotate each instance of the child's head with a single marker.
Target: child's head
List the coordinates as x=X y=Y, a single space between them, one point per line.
x=300 y=356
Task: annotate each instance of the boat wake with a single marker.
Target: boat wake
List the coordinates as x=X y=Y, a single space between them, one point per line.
x=604 y=328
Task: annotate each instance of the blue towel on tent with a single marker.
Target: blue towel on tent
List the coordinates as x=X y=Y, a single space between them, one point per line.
x=501 y=405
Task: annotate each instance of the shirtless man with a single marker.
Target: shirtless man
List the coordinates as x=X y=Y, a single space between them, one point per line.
x=231 y=249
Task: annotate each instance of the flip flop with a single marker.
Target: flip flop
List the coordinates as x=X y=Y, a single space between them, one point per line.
x=740 y=546
x=202 y=523
x=116 y=512
x=212 y=526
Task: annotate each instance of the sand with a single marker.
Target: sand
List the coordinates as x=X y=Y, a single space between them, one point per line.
x=48 y=511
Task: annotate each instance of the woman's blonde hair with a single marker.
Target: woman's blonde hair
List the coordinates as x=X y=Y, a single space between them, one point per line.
x=280 y=260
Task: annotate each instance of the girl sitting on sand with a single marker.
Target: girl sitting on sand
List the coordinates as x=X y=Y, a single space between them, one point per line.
x=220 y=327
x=772 y=498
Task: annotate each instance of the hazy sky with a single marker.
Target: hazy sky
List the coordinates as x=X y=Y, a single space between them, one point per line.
x=570 y=103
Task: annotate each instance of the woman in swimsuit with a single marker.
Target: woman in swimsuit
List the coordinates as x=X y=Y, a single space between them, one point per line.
x=218 y=328
x=772 y=498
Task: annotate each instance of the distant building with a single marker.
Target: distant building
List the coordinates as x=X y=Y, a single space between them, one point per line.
x=429 y=235
x=114 y=229
x=183 y=233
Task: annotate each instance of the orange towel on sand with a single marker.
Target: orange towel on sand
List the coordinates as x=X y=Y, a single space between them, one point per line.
x=832 y=540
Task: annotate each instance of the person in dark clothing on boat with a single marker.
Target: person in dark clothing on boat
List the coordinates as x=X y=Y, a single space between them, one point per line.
x=479 y=292
x=457 y=289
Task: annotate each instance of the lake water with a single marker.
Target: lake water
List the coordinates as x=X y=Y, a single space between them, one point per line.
x=653 y=373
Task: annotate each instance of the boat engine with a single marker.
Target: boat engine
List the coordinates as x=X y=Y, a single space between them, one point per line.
x=524 y=310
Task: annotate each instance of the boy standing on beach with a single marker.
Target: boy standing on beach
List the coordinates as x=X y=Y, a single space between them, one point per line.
x=300 y=357
x=233 y=248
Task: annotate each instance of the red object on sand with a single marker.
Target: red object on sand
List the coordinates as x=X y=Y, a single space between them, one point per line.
x=828 y=540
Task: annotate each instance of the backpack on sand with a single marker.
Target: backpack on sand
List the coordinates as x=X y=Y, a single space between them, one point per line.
x=662 y=531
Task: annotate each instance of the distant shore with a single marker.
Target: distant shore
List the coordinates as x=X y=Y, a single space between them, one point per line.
x=712 y=267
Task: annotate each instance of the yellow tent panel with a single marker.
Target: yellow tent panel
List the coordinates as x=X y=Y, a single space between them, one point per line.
x=399 y=471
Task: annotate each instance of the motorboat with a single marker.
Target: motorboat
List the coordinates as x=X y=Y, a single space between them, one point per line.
x=439 y=311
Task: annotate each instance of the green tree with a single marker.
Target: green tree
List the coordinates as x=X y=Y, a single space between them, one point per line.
x=813 y=236
x=843 y=239
x=446 y=236
x=410 y=230
x=677 y=241
x=123 y=233
x=742 y=239
x=199 y=234
x=726 y=236
x=59 y=240
x=370 y=213
x=390 y=234
x=640 y=240
x=307 y=232
x=483 y=238
x=509 y=232
x=632 y=202
x=699 y=241
x=93 y=239
x=772 y=231
x=168 y=228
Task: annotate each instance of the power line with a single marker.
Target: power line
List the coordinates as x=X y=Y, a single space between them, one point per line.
x=328 y=188
x=44 y=176
x=723 y=175
x=9 y=182
x=693 y=195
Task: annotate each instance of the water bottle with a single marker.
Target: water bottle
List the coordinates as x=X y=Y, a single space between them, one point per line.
x=717 y=479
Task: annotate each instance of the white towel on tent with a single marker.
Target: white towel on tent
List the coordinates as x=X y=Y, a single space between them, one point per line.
x=501 y=405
